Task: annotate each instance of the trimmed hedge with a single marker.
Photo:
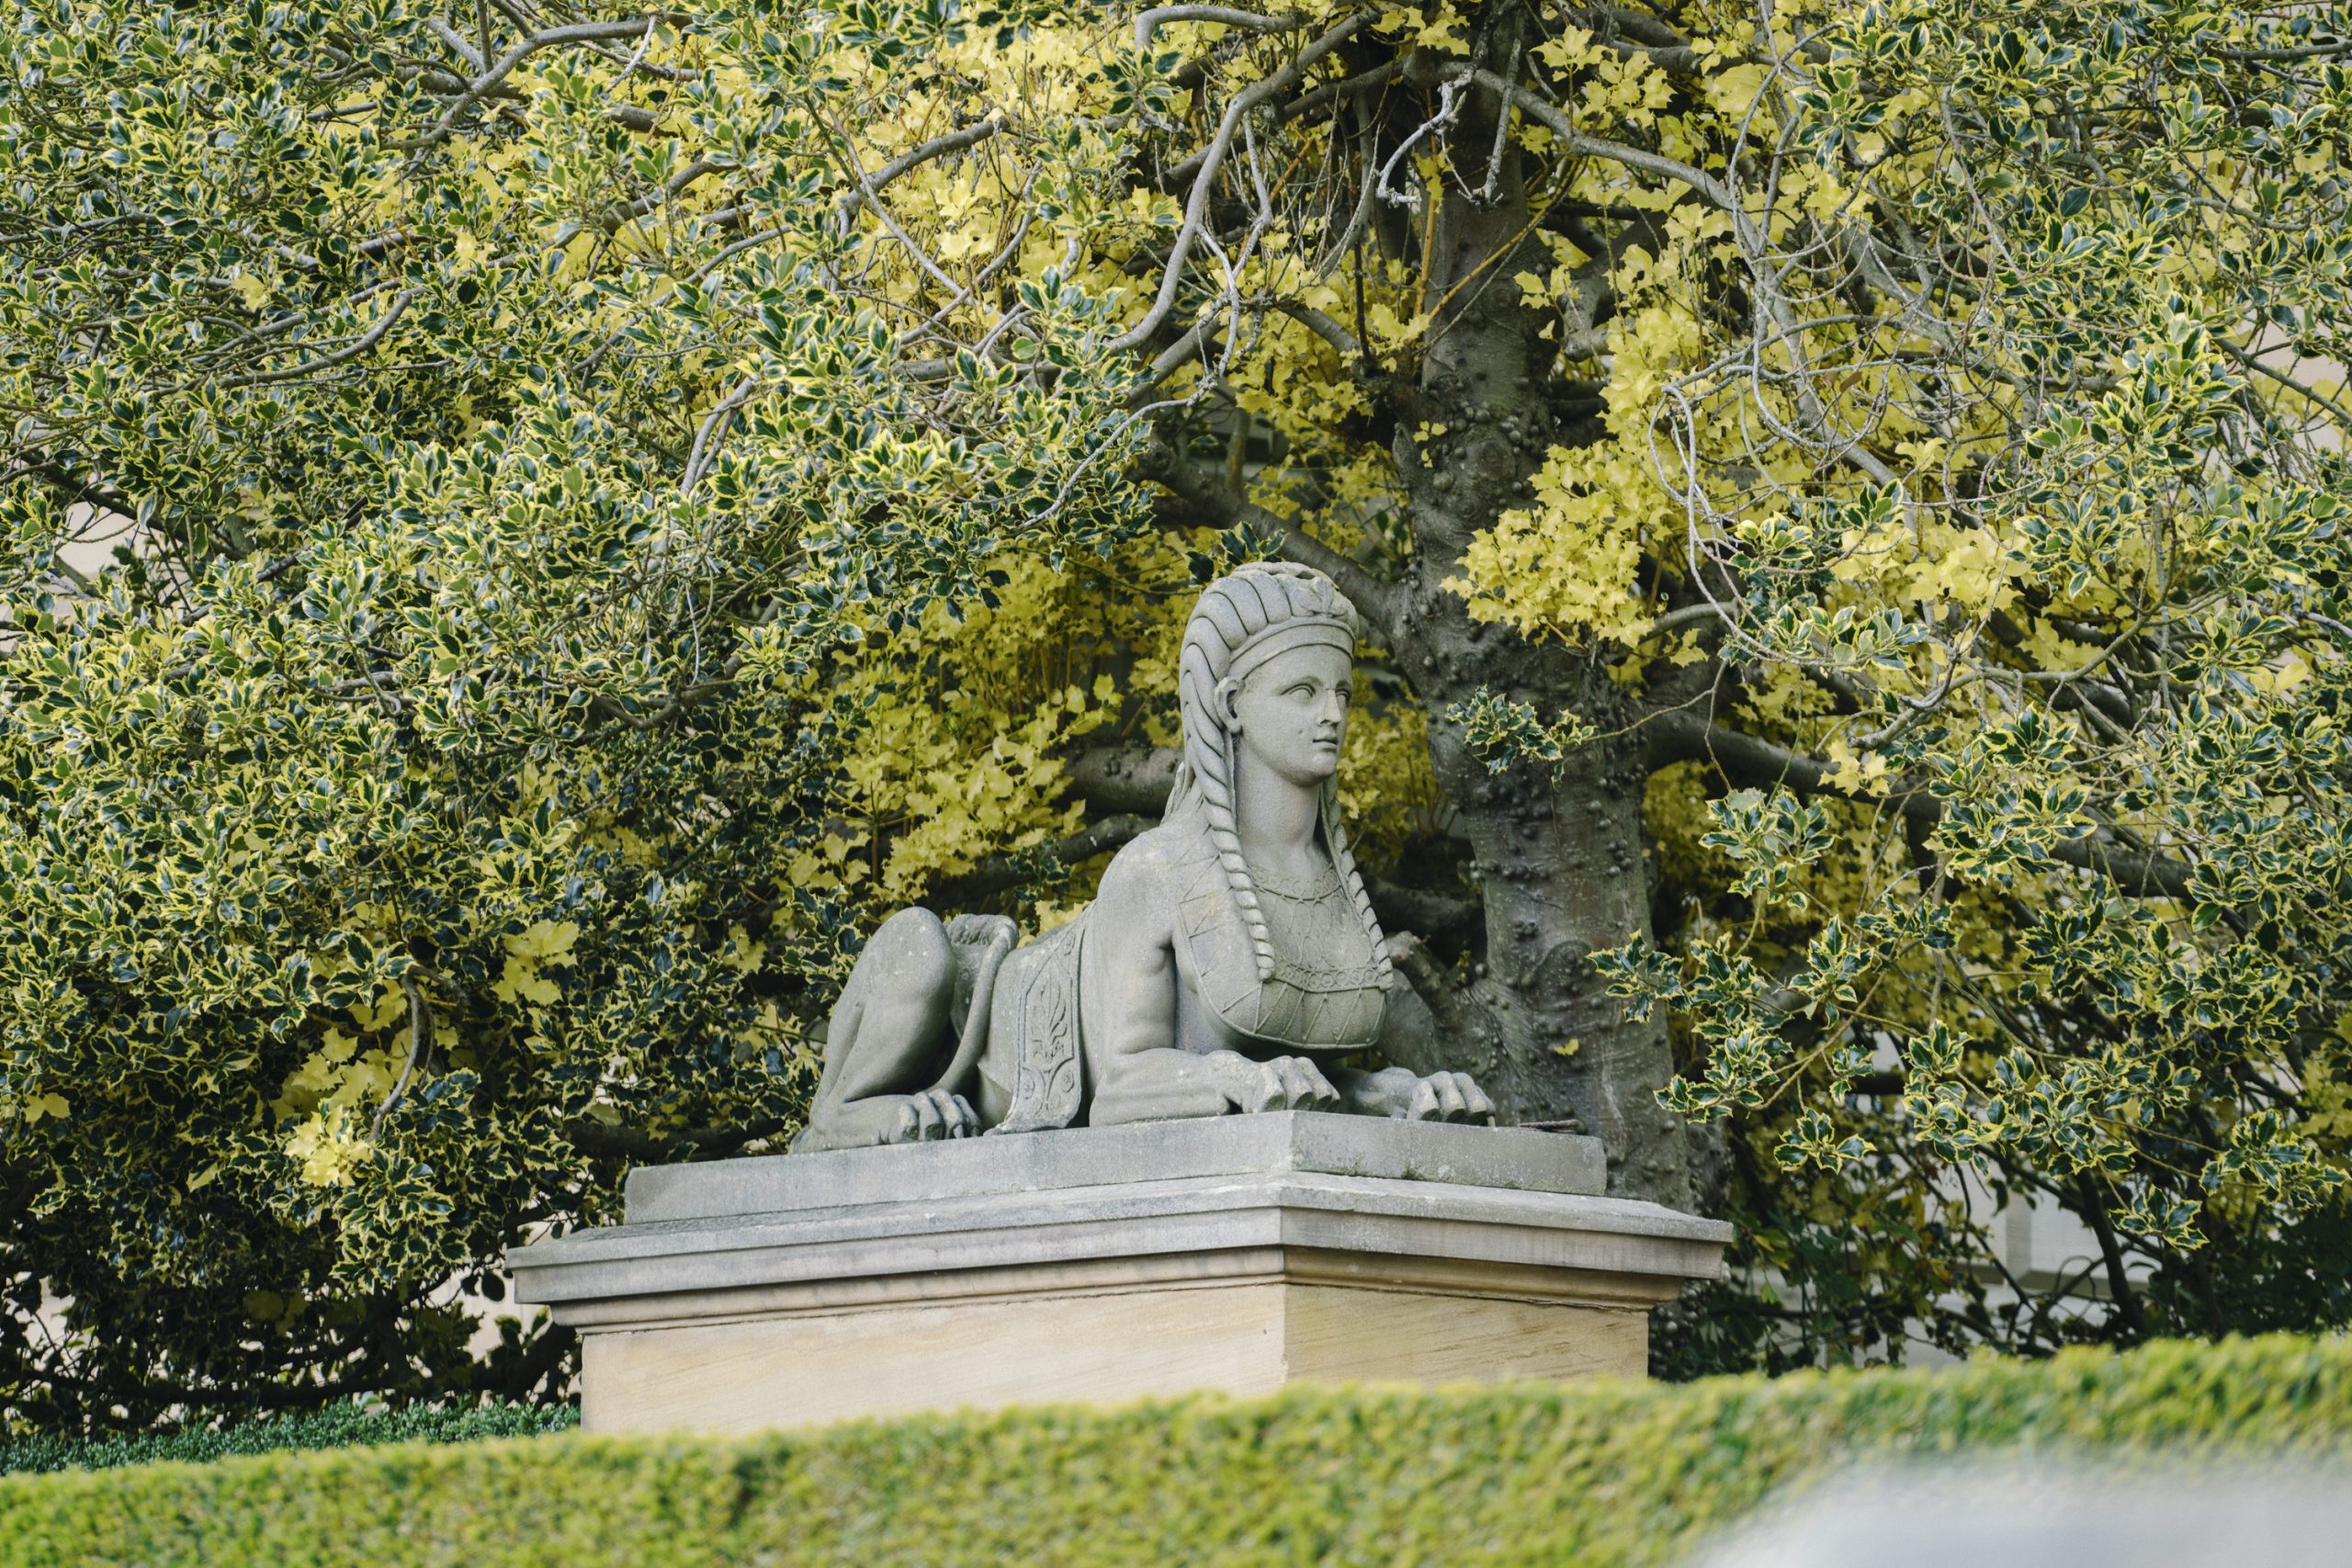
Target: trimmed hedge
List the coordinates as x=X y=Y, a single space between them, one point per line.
x=337 y=1427
x=1596 y=1475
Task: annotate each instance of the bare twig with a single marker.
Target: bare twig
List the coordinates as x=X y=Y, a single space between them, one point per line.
x=667 y=193
x=420 y=1020
x=2256 y=363
x=1196 y=207
x=937 y=147
x=714 y=431
x=575 y=32
x=1159 y=15
x=359 y=345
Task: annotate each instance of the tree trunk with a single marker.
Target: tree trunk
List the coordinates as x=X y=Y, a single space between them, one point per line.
x=1559 y=854
x=1559 y=858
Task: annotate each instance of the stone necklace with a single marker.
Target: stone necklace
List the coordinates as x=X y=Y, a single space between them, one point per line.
x=1324 y=886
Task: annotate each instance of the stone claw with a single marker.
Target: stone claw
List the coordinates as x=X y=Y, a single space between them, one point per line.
x=933 y=1114
x=1450 y=1097
x=1293 y=1083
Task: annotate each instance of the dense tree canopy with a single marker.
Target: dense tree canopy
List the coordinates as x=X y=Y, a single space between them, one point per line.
x=608 y=502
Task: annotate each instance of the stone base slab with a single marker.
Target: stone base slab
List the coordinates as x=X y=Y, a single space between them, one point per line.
x=1304 y=1143
x=1236 y=1255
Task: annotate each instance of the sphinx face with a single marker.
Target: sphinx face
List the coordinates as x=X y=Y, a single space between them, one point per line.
x=1291 y=712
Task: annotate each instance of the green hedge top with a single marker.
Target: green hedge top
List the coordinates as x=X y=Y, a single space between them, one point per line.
x=1595 y=1475
x=337 y=1427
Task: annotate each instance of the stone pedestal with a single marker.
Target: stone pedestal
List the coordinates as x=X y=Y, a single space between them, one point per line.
x=1238 y=1254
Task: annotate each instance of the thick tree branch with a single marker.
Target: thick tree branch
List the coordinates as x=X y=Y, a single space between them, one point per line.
x=999 y=873
x=520 y=1378
x=668 y=192
x=90 y=492
x=1347 y=87
x=420 y=1035
x=1584 y=144
x=1176 y=354
x=1419 y=909
x=17 y=1195
x=1128 y=779
x=1322 y=326
x=1788 y=331
x=474 y=57
x=1631 y=32
x=648 y=1148
x=1206 y=503
x=1428 y=978
x=2111 y=1250
x=1250 y=21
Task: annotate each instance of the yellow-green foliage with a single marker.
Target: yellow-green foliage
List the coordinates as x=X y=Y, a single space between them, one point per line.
x=618 y=505
x=1602 y=1476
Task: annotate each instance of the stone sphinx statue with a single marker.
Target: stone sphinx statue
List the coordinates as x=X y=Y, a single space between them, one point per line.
x=1227 y=949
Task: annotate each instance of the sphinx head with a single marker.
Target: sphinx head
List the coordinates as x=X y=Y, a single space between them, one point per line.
x=1264 y=677
x=1280 y=641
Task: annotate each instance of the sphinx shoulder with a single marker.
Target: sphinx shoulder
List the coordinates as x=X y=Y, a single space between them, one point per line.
x=1158 y=866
